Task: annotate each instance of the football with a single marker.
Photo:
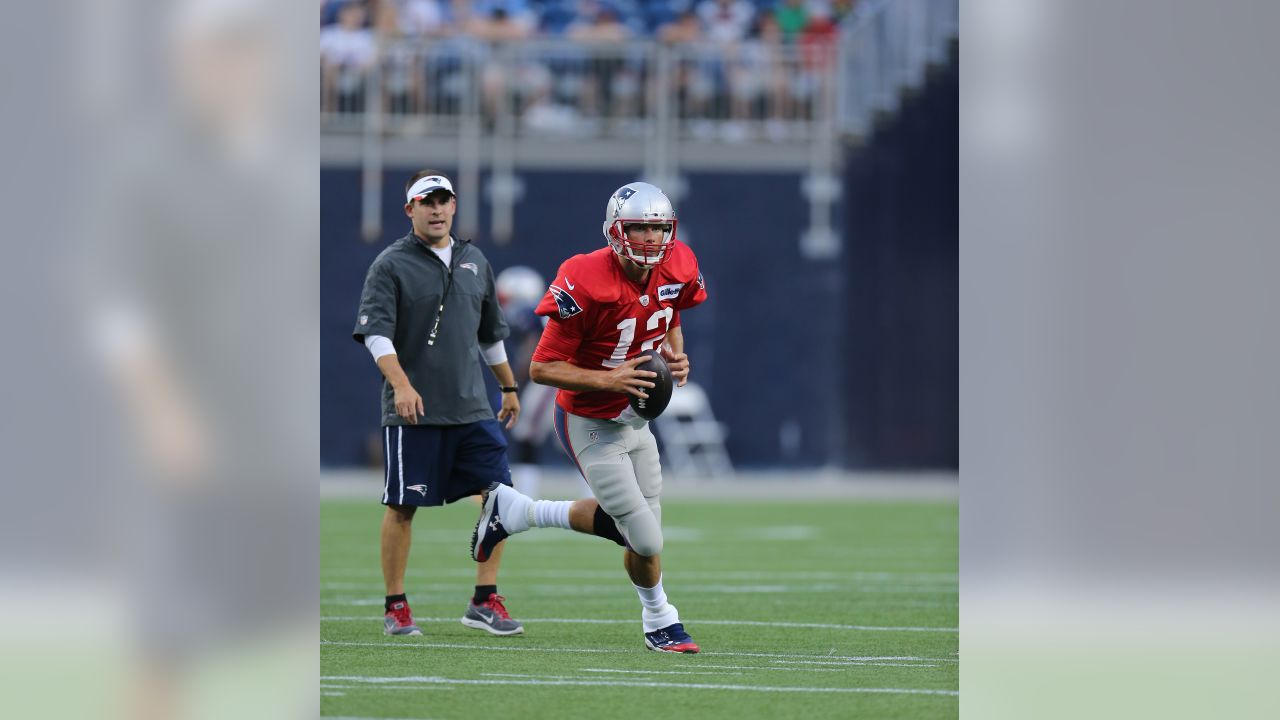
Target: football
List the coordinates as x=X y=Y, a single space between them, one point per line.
x=660 y=394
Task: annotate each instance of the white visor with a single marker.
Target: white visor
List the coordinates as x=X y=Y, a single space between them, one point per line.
x=427 y=185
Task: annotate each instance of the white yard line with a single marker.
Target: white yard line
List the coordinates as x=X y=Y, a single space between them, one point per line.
x=788 y=669
x=611 y=621
x=352 y=717
x=852 y=576
x=830 y=659
x=387 y=682
x=654 y=672
x=409 y=645
x=591 y=677
x=609 y=588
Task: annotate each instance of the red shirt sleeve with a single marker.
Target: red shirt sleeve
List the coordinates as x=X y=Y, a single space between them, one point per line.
x=694 y=291
x=565 y=321
x=560 y=340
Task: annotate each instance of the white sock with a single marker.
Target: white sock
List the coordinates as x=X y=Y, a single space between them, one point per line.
x=657 y=613
x=513 y=508
x=550 y=514
x=526 y=477
x=652 y=598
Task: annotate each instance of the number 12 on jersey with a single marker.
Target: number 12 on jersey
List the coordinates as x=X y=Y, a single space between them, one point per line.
x=628 y=329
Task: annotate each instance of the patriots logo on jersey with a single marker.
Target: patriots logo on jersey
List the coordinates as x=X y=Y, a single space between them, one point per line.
x=702 y=285
x=568 y=306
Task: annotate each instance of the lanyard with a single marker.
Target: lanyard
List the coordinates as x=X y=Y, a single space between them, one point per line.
x=435 y=327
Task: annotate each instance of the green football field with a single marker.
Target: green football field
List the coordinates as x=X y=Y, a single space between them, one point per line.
x=818 y=609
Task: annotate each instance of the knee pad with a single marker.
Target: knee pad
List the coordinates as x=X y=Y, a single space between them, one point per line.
x=644 y=535
x=618 y=494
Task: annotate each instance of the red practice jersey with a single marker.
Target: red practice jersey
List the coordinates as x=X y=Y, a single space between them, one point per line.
x=599 y=318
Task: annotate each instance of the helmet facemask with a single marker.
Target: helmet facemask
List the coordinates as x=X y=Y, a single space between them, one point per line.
x=641 y=253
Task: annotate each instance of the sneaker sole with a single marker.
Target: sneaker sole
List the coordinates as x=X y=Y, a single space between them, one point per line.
x=479 y=625
x=415 y=631
x=673 y=652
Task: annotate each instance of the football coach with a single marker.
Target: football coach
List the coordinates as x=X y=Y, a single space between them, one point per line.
x=428 y=312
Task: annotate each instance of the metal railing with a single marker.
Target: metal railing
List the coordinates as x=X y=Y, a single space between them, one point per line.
x=748 y=91
x=489 y=100
x=885 y=46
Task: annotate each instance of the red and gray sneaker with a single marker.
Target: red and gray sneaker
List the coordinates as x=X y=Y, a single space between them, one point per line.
x=399 y=620
x=671 y=638
x=491 y=615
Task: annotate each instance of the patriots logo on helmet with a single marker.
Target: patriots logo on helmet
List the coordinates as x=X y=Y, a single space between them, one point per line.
x=625 y=193
x=568 y=306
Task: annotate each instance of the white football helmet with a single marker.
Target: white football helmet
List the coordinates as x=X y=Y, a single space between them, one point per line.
x=519 y=284
x=642 y=203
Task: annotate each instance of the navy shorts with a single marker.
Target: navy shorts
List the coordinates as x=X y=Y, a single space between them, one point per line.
x=429 y=465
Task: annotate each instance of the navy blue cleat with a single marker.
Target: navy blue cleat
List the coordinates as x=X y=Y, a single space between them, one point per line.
x=489 y=530
x=671 y=638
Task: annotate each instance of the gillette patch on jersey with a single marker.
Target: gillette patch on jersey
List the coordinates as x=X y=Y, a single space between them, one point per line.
x=568 y=306
x=670 y=292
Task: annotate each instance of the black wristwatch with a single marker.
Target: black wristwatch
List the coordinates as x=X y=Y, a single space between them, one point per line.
x=513 y=388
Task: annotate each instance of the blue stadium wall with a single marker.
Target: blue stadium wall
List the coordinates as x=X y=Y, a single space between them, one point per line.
x=851 y=362
x=902 y=264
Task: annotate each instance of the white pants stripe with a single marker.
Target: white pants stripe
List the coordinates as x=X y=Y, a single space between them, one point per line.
x=400 y=458
x=386 y=462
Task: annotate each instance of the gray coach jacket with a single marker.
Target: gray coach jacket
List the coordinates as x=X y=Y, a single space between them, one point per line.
x=401 y=298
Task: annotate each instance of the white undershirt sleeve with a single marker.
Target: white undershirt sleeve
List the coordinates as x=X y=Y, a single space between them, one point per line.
x=494 y=354
x=379 y=345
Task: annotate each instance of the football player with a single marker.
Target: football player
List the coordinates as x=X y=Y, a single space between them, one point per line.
x=520 y=288
x=604 y=309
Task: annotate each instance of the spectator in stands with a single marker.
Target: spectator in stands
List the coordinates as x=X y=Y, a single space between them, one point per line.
x=501 y=20
x=347 y=51
x=757 y=80
x=726 y=21
x=696 y=70
x=614 y=84
x=404 y=23
x=684 y=29
x=792 y=16
x=508 y=73
x=413 y=18
x=833 y=10
x=329 y=10
x=816 y=44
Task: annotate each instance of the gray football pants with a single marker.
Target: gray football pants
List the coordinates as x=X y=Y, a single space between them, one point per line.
x=621 y=465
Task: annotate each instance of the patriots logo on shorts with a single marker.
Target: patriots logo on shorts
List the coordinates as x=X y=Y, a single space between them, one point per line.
x=568 y=306
x=421 y=489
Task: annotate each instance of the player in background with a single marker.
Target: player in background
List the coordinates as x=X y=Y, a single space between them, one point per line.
x=520 y=289
x=603 y=310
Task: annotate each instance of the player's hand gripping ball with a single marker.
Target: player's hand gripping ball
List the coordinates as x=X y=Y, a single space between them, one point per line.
x=660 y=394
